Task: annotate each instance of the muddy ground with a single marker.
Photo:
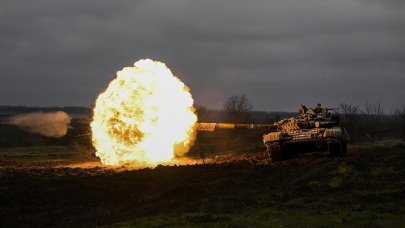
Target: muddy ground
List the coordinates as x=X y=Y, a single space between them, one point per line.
x=63 y=186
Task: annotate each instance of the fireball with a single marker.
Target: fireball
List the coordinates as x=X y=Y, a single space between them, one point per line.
x=144 y=118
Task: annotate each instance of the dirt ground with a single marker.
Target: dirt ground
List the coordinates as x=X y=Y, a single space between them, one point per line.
x=61 y=186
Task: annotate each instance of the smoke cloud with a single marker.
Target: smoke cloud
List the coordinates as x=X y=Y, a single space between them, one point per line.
x=52 y=124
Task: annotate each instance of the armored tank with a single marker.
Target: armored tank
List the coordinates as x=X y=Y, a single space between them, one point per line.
x=315 y=129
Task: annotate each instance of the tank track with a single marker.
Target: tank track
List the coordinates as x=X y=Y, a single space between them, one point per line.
x=275 y=151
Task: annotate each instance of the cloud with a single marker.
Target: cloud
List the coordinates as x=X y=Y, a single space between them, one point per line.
x=273 y=51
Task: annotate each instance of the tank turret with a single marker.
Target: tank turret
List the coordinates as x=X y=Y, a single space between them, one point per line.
x=310 y=118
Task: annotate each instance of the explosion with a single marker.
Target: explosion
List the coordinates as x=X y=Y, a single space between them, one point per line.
x=144 y=118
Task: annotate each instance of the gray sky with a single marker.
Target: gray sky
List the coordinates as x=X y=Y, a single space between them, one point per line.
x=280 y=53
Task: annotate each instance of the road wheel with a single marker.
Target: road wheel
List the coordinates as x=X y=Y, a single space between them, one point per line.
x=275 y=151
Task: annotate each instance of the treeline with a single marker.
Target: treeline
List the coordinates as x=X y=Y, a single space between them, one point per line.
x=371 y=123
x=10 y=110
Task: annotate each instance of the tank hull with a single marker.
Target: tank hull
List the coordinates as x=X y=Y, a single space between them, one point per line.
x=287 y=144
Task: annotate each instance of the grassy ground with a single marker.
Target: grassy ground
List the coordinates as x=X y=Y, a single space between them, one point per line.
x=39 y=187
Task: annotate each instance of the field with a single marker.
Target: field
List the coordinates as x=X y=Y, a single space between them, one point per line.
x=237 y=187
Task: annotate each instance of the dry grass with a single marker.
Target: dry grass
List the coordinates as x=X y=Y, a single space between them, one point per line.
x=45 y=186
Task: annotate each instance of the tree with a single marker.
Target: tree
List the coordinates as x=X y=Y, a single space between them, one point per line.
x=400 y=113
x=237 y=108
x=349 y=117
x=374 y=114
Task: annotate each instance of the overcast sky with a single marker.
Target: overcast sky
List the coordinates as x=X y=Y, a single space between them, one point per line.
x=280 y=53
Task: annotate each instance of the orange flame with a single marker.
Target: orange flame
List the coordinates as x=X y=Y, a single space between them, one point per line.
x=144 y=118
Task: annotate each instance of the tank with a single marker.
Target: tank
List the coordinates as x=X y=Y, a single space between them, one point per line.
x=315 y=129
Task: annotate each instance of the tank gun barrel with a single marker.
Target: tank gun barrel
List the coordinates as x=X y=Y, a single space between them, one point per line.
x=213 y=126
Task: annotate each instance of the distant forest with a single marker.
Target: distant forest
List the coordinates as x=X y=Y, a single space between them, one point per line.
x=12 y=110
